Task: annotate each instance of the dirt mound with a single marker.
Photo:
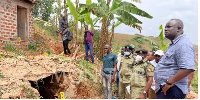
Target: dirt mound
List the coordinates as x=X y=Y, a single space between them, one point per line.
x=22 y=74
x=192 y=95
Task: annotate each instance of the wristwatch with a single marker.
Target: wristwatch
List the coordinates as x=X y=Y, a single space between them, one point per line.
x=144 y=92
x=167 y=82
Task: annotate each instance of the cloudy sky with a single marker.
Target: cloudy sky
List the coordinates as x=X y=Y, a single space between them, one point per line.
x=162 y=11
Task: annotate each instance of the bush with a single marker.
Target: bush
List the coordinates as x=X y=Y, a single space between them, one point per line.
x=29 y=92
x=10 y=47
x=139 y=46
x=32 y=46
x=1 y=75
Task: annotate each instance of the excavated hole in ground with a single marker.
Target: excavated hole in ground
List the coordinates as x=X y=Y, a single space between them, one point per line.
x=51 y=86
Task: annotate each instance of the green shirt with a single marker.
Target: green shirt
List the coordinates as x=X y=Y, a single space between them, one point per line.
x=108 y=61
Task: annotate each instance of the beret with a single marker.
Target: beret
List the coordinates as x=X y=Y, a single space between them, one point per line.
x=133 y=46
x=142 y=51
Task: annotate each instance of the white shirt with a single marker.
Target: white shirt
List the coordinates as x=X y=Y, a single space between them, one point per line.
x=119 y=57
x=153 y=62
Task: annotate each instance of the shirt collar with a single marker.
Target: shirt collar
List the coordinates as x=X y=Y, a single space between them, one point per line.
x=177 y=39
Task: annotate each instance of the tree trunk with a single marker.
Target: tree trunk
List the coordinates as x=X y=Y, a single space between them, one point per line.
x=76 y=26
x=66 y=10
x=112 y=34
x=104 y=38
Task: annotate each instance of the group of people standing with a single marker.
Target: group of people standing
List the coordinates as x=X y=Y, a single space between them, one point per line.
x=161 y=75
x=88 y=39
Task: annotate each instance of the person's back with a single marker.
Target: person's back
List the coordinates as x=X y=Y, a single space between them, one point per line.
x=65 y=34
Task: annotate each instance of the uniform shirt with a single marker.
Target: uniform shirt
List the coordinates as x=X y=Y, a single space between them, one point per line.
x=127 y=64
x=141 y=71
x=109 y=61
x=180 y=55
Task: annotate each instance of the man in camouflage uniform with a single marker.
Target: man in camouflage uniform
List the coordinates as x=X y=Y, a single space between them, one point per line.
x=142 y=76
x=126 y=64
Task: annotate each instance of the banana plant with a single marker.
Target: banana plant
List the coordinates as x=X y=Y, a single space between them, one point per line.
x=161 y=37
x=124 y=10
x=139 y=39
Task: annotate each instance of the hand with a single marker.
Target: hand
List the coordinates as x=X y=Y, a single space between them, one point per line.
x=112 y=79
x=93 y=45
x=165 y=88
x=86 y=30
x=142 y=96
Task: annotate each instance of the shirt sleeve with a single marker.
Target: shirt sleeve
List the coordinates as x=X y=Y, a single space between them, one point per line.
x=185 y=57
x=61 y=24
x=92 y=33
x=150 y=70
x=115 y=58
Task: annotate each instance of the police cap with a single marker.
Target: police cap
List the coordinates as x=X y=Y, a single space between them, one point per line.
x=142 y=51
x=128 y=47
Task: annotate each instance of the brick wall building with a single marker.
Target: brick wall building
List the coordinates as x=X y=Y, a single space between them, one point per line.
x=16 y=20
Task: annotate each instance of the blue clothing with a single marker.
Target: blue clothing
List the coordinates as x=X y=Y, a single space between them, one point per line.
x=89 y=46
x=173 y=93
x=108 y=61
x=180 y=55
x=117 y=82
x=62 y=25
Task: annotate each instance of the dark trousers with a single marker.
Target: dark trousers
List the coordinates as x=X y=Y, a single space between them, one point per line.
x=65 y=45
x=117 y=82
x=87 y=47
x=172 y=93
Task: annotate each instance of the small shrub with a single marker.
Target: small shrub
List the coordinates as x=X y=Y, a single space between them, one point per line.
x=28 y=91
x=32 y=46
x=139 y=46
x=1 y=75
x=10 y=47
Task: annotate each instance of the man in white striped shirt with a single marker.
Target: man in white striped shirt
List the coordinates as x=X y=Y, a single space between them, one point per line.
x=157 y=56
x=118 y=65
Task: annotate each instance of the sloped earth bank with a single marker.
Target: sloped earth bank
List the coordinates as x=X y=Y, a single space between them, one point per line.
x=45 y=77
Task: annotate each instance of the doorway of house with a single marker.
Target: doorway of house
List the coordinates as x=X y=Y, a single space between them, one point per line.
x=22 y=25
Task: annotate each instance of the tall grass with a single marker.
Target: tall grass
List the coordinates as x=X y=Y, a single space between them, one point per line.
x=195 y=80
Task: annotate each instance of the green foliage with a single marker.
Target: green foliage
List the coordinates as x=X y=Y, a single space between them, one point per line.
x=123 y=9
x=32 y=46
x=139 y=46
x=139 y=39
x=1 y=75
x=195 y=80
x=161 y=37
x=72 y=10
x=48 y=30
x=10 y=47
x=88 y=68
x=44 y=10
x=96 y=39
x=28 y=91
x=1 y=89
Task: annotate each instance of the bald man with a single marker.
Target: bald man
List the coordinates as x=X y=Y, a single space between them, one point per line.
x=171 y=73
x=108 y=71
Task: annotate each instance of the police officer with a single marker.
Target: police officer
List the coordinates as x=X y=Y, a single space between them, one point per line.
x=126 y=64
x=142 y=76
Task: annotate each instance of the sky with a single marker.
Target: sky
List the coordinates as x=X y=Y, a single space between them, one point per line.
x=162 y=11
